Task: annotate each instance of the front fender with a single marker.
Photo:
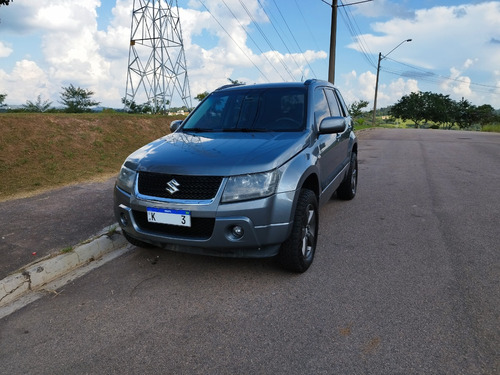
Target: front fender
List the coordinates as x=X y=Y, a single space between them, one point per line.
x=299 y=172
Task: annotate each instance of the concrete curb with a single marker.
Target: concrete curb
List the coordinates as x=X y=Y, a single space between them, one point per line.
x=37 y=274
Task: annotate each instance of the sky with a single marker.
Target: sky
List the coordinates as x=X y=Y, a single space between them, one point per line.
x=46 y=45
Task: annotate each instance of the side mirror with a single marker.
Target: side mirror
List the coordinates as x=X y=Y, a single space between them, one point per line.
x=330 y=125
x=174 y=125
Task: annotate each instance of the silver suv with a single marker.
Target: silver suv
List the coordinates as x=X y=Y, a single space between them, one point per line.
x=243 y=175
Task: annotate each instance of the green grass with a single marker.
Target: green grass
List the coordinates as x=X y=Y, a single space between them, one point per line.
x=40 y=151
x=66 y=250
x=494 y=128
x=408 y=124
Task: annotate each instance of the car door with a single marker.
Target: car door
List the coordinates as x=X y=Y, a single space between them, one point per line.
x=337 y=109
x=326 y=142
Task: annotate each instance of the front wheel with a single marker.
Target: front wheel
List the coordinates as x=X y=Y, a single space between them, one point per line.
x=297 y=252
x=347 y=189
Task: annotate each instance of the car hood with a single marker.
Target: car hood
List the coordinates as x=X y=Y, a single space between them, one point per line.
x=217 y=154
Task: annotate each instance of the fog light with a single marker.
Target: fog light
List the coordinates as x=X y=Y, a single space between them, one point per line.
x=123 y=219
x=237 y=231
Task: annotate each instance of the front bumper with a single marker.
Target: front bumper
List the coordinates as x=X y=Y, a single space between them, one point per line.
x=265 y=224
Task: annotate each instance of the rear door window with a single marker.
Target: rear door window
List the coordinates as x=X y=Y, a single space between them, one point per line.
x=321 y=108
x=333 y=103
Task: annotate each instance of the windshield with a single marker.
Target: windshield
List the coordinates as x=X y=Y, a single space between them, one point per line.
x=266 y=109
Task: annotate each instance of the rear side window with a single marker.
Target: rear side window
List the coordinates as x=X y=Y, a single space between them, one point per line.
x=333 y=103
x=321 y=108
x=343 y=107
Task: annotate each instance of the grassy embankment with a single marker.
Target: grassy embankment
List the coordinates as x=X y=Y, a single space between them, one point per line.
x=43 y=151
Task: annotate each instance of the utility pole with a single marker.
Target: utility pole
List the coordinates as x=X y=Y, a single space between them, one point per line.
x=380 y=57
x=376 y=89
x=333 y=43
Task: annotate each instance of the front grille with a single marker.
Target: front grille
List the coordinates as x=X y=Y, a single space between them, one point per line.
x=201 y=228
x=190 y=187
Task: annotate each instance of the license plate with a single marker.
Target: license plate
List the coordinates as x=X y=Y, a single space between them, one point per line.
x=168 y=216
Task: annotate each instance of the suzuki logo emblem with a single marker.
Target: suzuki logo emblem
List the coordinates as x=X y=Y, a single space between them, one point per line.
x=172 y=186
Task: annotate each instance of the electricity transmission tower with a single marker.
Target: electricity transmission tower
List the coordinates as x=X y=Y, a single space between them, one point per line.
x=156 y=63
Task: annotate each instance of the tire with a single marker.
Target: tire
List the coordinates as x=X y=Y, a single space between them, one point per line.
x=347 y=189
x=136 y=242
x=297 y=252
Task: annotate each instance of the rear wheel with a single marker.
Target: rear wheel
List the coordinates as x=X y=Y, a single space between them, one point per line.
x=297 y=252
x=347 y=189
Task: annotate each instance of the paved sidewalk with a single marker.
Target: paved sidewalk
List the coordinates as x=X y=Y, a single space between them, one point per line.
x=31 y=228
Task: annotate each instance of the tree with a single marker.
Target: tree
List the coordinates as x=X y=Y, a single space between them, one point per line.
x=464 y=113
x=133 y=107
x=2 y=98
x=5 y=2
x=202 y=96
x=355 y=110
x=422 y=107
x=77 y=100
x=410 y=107
x=38 y=106
x=443 y=111
x=439 y=109
x=486 y=115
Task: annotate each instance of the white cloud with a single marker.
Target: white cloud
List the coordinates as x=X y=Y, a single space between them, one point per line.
x=357 y=87
x=443 y=36
x=26 y=81
x=458 y=85
x=74 y=50
x=5 y=50
x=399 y=88
x=210 y=68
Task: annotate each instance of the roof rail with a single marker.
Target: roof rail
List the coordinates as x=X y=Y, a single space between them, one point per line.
x=309 y=81
x=230 y=85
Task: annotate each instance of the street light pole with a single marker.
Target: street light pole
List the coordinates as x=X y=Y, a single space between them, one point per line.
x=380 y=57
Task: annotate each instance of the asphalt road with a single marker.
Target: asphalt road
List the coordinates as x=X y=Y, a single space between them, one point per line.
x=405 y=281
x=34 y=227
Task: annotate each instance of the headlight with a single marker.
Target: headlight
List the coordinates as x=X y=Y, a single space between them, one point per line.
x=250 y=186
x=126 y=179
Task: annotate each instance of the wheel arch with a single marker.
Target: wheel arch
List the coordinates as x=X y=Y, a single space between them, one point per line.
x=354 y=147
x=308 y=181
x=311 y=183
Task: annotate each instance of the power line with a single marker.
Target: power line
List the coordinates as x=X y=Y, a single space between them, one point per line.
x=311 y=34
x=427 y=76
x=281 y=38
x=355 y=32
x=280 y=59
x=266 y=38
x=295 y=40
x=236 y=43
x=345 y=5
x=357 y=2
x=255 y=43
